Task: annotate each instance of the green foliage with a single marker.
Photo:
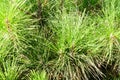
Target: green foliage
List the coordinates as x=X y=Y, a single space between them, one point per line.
x=67 y=39
x=16 y=29
x=10 y=70
x=38 y=75
x=15 y=26
x=68 y=44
